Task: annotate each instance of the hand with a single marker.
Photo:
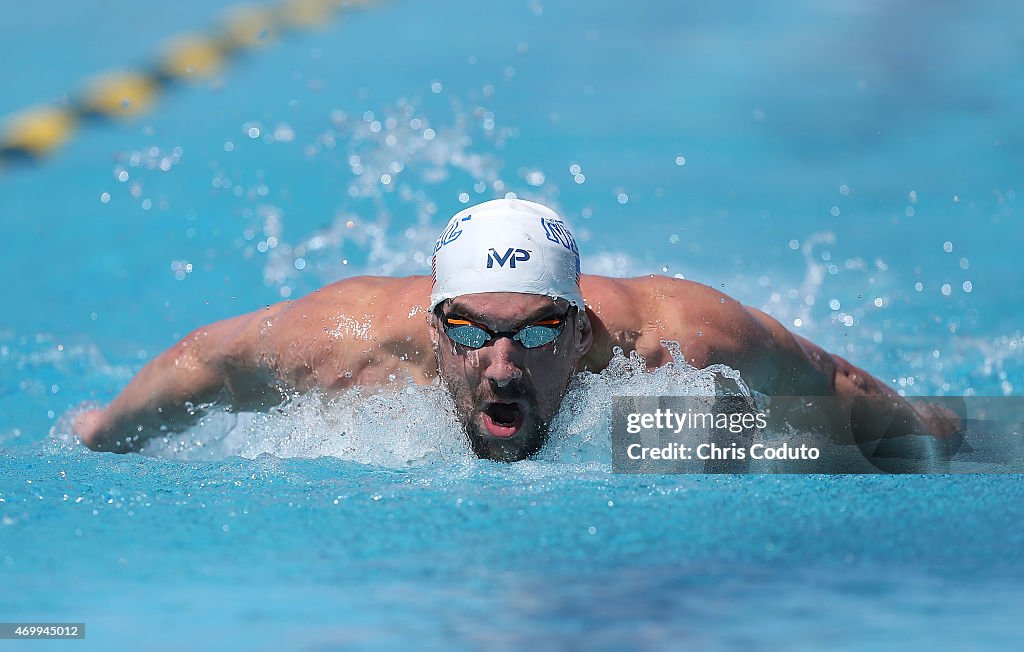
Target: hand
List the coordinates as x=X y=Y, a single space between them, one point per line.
x=88 y=425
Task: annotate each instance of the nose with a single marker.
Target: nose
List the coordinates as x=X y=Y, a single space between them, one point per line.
x=504 y=366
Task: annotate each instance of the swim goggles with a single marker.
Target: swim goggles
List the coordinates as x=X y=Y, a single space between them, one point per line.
x=474 y=336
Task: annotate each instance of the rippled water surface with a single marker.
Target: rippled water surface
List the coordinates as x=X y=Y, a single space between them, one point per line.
x=850 y=168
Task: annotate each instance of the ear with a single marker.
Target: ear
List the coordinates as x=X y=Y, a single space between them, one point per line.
x=432 y=325
x=584 y=334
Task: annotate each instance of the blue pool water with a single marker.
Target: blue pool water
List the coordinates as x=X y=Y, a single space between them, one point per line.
x=850 y=168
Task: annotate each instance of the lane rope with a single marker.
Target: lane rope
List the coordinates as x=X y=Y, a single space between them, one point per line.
x=38 y=132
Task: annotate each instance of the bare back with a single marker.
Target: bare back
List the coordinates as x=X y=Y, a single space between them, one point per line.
x=369 y=331
x=360 y=331
x=372 y=330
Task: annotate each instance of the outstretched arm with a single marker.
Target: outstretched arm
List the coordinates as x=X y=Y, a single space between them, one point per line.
x=867 y=408
x=365 y=330
x=219 y=362
x=856 y=406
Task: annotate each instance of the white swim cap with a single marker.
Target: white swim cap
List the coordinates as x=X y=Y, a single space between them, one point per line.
x=506 y=245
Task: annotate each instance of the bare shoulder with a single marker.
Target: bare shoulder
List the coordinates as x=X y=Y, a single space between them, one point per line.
x=602 y=292
x=658 y=307
x=374 y=291
x=372 y=297
x=709 y=326
x=343 y=333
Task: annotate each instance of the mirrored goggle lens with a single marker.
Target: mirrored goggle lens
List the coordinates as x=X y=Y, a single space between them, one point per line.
x=534 y=336
x=472 y=336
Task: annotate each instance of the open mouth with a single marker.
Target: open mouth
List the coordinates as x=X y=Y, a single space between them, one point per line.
x=503 y=419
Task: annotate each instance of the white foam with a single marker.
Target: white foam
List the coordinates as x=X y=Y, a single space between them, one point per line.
x=417 y=425
x=389 y=427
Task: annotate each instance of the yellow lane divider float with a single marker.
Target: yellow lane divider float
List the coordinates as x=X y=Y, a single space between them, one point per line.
x=37 y=132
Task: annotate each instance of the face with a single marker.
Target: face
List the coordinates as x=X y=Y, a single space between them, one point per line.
x=506 y=394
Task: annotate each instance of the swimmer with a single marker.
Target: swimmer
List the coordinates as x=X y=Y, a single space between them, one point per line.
x=504 y=322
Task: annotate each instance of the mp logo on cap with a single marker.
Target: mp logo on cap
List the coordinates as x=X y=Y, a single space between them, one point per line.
x=511 y=256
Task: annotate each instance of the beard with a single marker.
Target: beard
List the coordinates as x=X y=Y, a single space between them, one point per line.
x=531 y=438
x=470 y=408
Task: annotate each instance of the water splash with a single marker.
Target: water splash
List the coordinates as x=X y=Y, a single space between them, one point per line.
x=415 y=425
x=581 y=432
x=397 y=162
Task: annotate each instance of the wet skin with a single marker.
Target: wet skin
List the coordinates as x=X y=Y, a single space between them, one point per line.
x=370 y=331
x=505 y=393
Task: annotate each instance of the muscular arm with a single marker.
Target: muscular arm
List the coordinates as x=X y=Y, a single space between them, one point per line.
x=218 y=362
x=713 y=328
x=361 y=330
x=866 y=408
